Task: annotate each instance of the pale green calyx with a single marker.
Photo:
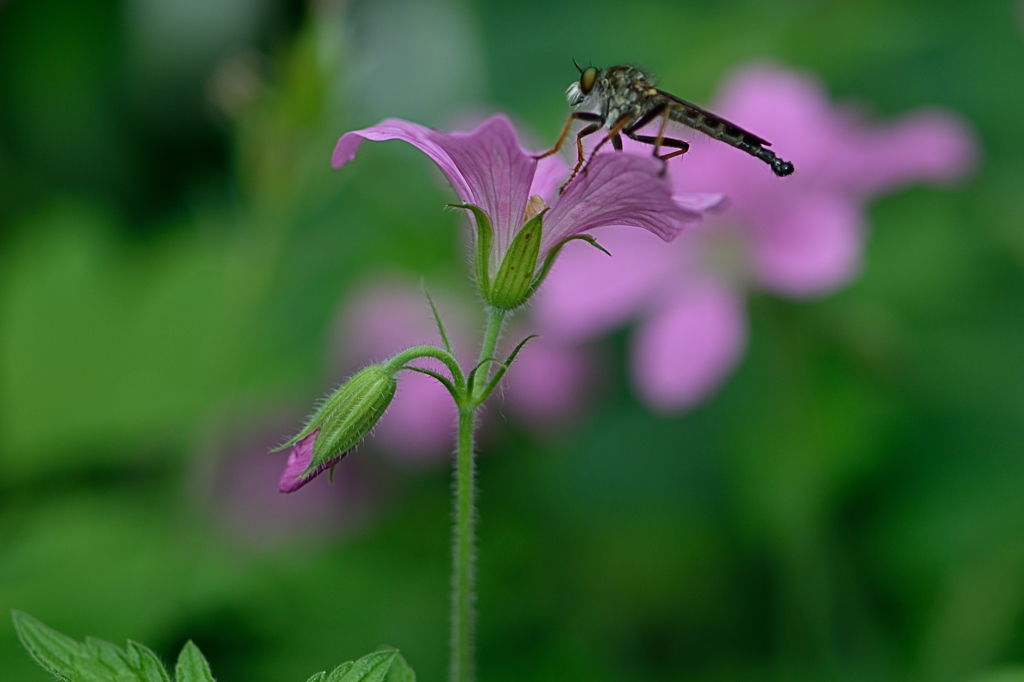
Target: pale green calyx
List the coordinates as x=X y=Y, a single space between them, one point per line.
x=348 y=415
x=514 y=282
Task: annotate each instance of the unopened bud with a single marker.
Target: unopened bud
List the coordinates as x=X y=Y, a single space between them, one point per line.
x=344 y=419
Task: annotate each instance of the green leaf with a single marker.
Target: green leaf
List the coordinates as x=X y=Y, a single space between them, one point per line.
x=319 y=677
x=110 y=656
x=400 y=671
x=55 y=652
x=145 y=663
x=370 y=668
x=192 y=665
x=92 y=661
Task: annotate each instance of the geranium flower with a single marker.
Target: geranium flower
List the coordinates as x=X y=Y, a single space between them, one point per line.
x=799 y=237
x=489 y=169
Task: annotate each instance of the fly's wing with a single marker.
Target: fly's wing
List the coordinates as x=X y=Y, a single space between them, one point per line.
x=686 y=113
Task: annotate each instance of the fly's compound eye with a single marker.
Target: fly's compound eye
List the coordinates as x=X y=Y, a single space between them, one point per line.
x=587 y=80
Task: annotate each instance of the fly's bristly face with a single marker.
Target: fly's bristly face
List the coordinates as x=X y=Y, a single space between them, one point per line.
x=579 y=91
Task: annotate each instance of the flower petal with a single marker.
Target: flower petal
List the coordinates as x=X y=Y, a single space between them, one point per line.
x=924 y=146
x=684 y=352
x=588 y=293
x=618 y=189
x=298 y=459
x=486 y=167
x=551 y=173
x=810 y=249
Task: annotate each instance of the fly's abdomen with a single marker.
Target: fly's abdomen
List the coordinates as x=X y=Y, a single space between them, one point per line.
x=731 y=134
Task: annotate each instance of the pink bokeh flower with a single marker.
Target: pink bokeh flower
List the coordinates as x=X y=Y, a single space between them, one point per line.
x=798 y=237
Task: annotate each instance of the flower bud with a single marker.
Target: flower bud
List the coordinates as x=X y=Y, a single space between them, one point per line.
x=344 y=419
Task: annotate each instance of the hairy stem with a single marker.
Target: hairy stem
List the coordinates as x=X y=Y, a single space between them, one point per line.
x=495 y=322
x=463 y=547
x=464 y=578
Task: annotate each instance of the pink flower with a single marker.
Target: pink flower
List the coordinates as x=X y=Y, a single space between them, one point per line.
x=488 y=168
x=299 y=458
x=799 y=237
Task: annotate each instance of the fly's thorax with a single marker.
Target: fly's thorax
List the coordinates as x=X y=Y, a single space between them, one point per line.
x=624 y=94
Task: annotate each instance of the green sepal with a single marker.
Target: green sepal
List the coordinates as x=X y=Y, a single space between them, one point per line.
x=318 y=677
x=549 y=260
x=484 y=239
x=192 y=665
x=348 y=415
x=513 y=283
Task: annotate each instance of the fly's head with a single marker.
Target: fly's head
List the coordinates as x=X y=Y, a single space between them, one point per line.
x=580 y=91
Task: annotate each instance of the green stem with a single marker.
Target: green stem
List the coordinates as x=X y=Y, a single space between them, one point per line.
x=463 y=614
x=427 y=351
x=495 y=322
x=464 y=553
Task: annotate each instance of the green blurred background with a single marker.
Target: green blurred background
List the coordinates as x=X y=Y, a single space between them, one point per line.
x=173 y=250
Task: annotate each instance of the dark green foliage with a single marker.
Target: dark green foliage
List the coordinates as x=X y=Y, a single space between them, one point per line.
x=99 y=661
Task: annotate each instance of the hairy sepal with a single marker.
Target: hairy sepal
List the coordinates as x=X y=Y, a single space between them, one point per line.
x=484 y=241
x=512 y=284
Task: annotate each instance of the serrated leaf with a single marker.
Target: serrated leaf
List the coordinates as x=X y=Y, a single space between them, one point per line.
x=146 y=664
x=319 y=677
x=401 y=671
x=370 y=668
x=110 y=657
x=338 y=672
x=192 y=665
x=66 y=659
x=52 y=650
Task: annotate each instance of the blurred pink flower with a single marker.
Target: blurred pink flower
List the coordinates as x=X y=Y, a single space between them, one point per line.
x=489 y=168
x=799 y=237
x=243 y=487
x=388 y=314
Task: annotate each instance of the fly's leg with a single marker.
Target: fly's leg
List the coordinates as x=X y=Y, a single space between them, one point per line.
x=661 y=134
x=576 y=115
x=612 y=133
x=589 y=130
x=680 y=146
x=617 y=143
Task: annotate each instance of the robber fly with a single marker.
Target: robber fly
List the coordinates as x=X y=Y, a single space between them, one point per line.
x=623 y=100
